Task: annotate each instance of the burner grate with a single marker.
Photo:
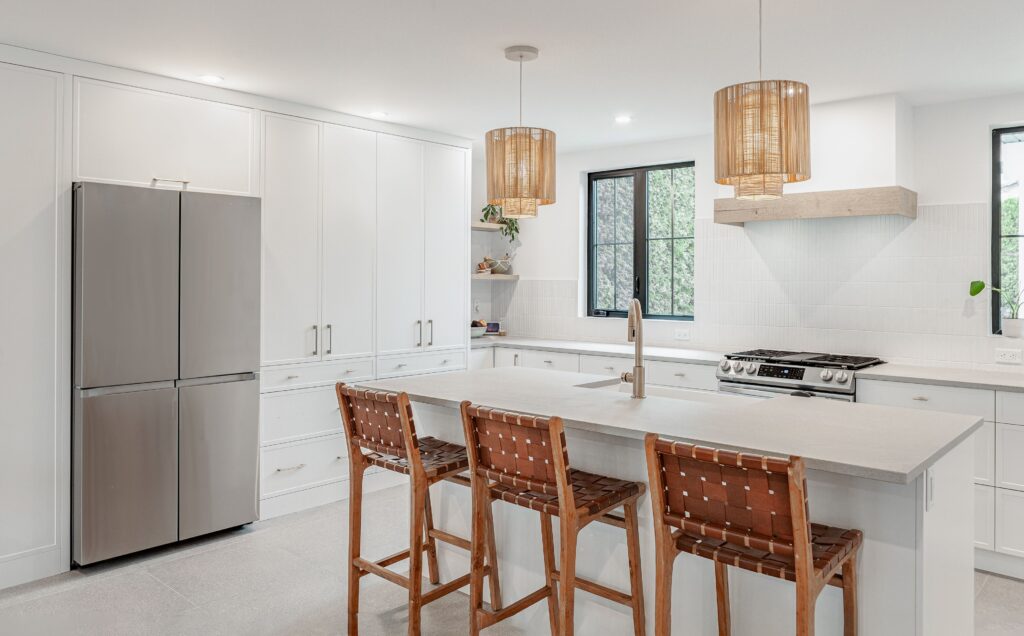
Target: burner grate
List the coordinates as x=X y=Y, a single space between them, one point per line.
x=763 y=354
x=846 y=362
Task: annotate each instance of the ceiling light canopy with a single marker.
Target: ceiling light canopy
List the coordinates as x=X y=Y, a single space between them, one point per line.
x=762 y=134
x=520 y=159
x=623 y=119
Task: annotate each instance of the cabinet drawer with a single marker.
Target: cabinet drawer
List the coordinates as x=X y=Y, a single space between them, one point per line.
x=551 y=360
x=481 y=359
x=1010 y=456
x=681 y=374
x=421 y=363
x=505 y=357
x=293 y=467
x=1010 y=407
x=928 y=397
x=308 y=375
x=605 y=365
x=984 y=517
x=1009 y=522
x=985 y=454
x=287 y=416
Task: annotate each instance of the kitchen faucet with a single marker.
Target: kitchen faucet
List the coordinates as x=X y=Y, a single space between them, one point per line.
x=635 y=334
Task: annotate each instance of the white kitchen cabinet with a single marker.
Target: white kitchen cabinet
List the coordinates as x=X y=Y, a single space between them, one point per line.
x=446 y=232
x=505 y=357
x=985 y=454
x=133 y=136
x=1009 y=534
x=682 y=374
x=1010 y=456
x=34 y=374
x=1010 y=407
x=984 y=517
x=288 y=468
x=417 y=363
x=306 y=375
x=481 y=359
x=611 y=366
x=551 y=360
x=291 y=233
x=980 y=402
x=349 y=240
x=288 y=416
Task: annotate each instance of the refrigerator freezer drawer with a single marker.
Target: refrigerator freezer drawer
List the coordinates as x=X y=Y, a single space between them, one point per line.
x=219 y=476
x=126 y=473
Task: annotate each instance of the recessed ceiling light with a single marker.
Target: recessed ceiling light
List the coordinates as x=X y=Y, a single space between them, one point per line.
x=623 y=119
x=378 y=114
x=211 y=79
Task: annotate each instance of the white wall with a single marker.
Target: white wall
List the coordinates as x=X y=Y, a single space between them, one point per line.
x=887 y=286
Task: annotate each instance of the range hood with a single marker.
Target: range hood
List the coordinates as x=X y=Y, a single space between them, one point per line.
x=884 y=201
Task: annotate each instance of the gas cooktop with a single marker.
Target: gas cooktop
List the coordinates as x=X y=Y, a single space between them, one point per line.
x=809 y=359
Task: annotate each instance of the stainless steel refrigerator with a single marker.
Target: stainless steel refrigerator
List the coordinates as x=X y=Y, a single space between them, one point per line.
x=165 y=431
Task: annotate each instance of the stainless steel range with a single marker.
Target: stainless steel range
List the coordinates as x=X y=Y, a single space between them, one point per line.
x=768 y=373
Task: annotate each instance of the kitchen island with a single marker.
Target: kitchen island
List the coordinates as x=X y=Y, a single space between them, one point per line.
x=903 y=477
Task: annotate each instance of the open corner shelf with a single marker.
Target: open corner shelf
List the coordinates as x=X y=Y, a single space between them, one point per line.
x=485 y=227
x=495 y=277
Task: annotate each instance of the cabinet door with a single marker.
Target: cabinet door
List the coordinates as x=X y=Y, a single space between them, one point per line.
x=984 y=516
x=132 y=136
x=985 y=454
x=446 y=214
x=552 y=360
x=291 y=254
x=1009 y=451
x=349 y=235
x=1010 y=522
x=481 y=359
x=508 y=357
x=605 y=365
x=399 y=245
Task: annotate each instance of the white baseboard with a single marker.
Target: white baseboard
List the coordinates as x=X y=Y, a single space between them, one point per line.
x=328 y=493
x=998 y=563
x=31 y=566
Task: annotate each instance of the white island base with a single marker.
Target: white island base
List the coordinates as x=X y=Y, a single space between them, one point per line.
x=915 y=571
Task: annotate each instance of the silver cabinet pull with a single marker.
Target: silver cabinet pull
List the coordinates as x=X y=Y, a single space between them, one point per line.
x=548 y=362
x=680 y=375
x=419 y=329
x=290 y=468
x=400 y=365
x=515 y=359
x=445 y=361
x=430 y=340
x=292 y=377
x=338 y=458
x=316 y=339
x=330 y=338
x=184 y=182
x=348 y=371
x=920 y=398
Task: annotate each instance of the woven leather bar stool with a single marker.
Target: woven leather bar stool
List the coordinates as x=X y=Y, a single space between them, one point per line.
x=522 y=460
x=747 y=511
x=380 y=431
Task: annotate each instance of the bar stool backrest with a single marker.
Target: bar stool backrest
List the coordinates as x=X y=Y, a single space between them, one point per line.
x=378 y=421
x=740 y=498
x=520 y=451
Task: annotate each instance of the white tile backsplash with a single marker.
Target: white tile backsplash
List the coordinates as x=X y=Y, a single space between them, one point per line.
x=888 y=286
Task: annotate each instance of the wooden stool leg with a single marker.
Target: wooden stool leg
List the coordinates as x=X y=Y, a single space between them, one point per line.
x=428 y=515
x=636 y=579
x=805 y=602
x=548 y=542
x=665 y=556
x=567 y=573
x=722 y=594
x=493 y=581
x=481 y=501
x=417 y=512
x=355 y=527
x=850 y=596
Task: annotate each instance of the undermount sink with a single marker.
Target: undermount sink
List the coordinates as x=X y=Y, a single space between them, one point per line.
x=692 y=395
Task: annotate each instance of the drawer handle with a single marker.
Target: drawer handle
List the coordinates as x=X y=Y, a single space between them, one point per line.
x=920 y=398
x=347 y=371
x=548 y=362
x=609 y=368
x=445 y=361
x=290 y=468
x=184 y=182
x=400 y=365
x=339 y=458
x=679 y=375
x=292 y=377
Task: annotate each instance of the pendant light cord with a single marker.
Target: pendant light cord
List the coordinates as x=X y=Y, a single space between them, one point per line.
x=520 y=90
x=760 y=36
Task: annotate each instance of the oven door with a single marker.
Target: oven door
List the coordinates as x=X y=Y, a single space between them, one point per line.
x=763 y=391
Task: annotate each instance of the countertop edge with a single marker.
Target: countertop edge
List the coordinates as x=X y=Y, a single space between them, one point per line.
x=582 y=347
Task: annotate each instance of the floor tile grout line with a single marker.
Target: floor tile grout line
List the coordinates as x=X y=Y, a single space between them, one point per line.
x=156 y=578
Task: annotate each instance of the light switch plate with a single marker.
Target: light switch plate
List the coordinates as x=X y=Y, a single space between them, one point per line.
x=1008 y=356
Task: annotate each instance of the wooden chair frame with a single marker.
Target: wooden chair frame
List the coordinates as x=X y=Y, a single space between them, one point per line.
x=562 y=581
x=809 y=582
x=422 y=533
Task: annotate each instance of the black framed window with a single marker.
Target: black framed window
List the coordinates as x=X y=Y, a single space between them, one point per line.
x=1007 y=231
x=641 y=241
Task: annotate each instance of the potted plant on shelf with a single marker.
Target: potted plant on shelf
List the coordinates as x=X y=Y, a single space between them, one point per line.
x=1011 y=325
x=509 y=227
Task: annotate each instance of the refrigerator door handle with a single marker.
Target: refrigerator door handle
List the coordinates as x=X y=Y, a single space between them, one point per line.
x=216 y=379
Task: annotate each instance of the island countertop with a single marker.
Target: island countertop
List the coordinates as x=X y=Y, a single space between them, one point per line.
x=861 y=440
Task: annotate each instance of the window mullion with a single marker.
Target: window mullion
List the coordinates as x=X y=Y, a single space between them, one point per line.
x=640 y=237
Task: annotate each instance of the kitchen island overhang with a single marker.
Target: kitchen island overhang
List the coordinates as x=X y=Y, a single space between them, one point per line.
x=902 y=476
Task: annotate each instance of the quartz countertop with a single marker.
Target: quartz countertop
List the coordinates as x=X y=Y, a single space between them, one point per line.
x=666 y=354
x=946 y=376
x=860 y=440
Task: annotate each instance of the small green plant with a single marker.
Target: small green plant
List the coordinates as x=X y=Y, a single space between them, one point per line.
x=509 y=227
x=1012 y=299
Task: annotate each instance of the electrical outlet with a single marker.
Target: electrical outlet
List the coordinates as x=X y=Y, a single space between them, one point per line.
x=684 y=334
x=1008 y=356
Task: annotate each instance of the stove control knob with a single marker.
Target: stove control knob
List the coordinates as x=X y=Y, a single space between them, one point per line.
x=724 y=365
x=737 y=366
x=826 y=375
x=842 y=377
x=751 y=367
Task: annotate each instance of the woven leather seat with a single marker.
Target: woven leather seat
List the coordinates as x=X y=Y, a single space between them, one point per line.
x=592 y=493
x=829 y=547
x=439 y=458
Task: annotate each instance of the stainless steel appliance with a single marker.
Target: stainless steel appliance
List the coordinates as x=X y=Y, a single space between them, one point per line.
x=166 y=349
x=769 y=372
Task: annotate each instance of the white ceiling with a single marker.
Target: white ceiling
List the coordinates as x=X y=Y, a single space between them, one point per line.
x=438 y=64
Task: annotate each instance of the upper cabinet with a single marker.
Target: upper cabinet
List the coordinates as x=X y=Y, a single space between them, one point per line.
x=134 y=136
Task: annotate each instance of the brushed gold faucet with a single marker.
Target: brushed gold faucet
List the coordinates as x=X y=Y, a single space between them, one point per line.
x=635 y=334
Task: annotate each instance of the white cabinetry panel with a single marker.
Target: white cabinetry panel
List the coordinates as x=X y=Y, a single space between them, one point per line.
x=984 y=516
x=683 y=375
x=551 y=360
x=611 y=366
x=985 y=454
x=481 y=359
x=1010 y=457
x=34 y=481
x=1010 y=522
x=291 y=254
x=349 y=238
x=980 y=402
x=287 y=416
x=446 y=228
x=132 y=136
x=288 y=468
x=505 y=357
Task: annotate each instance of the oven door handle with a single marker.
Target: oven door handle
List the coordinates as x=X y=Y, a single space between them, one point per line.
x=770 y=392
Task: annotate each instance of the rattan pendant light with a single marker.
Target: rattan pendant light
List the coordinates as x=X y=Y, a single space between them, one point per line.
x=762 y=134
x=520 y=159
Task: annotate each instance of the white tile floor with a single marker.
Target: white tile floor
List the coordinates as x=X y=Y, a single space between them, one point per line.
x=286 y=576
